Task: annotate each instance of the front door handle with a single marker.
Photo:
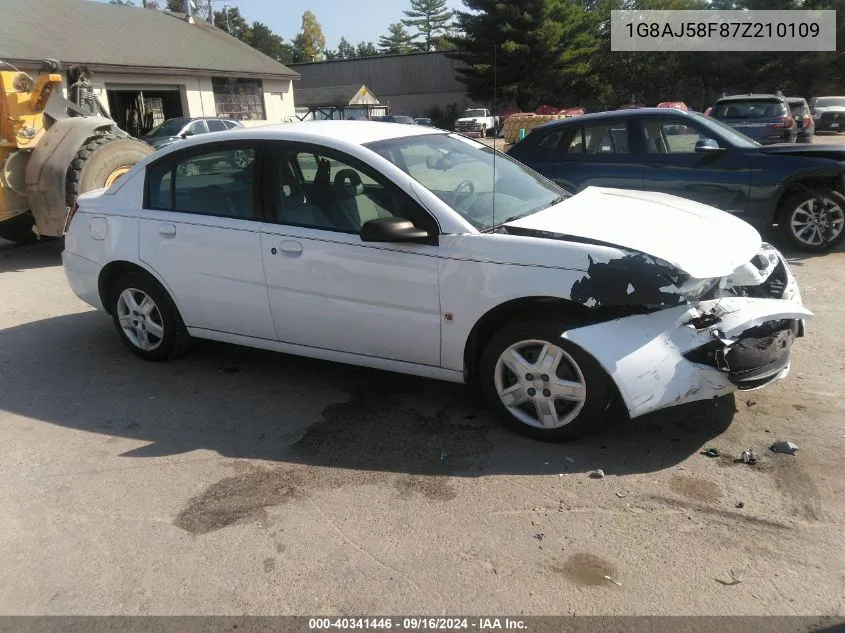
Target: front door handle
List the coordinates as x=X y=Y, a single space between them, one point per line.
x=291 y=248
x=167 y=230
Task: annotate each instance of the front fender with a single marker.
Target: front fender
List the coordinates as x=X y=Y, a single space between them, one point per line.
x=46 y=170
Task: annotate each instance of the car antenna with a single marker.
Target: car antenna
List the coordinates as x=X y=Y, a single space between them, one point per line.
x=495 y=126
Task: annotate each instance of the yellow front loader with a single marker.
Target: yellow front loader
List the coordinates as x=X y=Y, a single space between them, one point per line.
x=52 y=150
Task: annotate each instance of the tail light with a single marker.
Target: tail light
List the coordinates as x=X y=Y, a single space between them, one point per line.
x=70 y=215
x=785 y=122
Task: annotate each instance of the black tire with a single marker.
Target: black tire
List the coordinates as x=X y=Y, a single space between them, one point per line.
x=791 y=207
x=596 y=383
x=18 y=229
x=175 y=339
x=98 y=158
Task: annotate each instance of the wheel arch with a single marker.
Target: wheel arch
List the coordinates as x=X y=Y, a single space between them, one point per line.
x=114 y=270
x=807 y=184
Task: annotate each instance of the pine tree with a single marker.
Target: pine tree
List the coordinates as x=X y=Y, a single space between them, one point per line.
x=397 y=41
x=345 y=49
x=431 y=18
x=366 y=49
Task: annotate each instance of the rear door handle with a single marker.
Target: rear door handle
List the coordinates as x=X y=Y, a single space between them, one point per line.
x=168 y=230
x=291 y=248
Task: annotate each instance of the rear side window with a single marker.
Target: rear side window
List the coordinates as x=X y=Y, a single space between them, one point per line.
x=216 y=126
x=749 y=109
x=611 y=138
x=218 y=183
x=551 y=140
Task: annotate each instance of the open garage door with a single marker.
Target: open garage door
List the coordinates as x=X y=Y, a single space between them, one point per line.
x=138 y=108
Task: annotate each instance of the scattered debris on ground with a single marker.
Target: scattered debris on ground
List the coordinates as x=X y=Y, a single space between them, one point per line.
x=740 y=505
x=597 y=474
x=710 y=452
x=539 y=536
x=784 y=447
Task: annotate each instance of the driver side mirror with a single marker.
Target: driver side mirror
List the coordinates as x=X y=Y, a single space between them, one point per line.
x=708 y=146
x=392 y=229
x=186 y=134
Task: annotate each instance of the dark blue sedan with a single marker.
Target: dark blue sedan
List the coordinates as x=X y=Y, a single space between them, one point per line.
x=798 y=187
x=765 y=118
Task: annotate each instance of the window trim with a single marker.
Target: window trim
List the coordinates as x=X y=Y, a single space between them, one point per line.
x=398 y=195
x=172 y=159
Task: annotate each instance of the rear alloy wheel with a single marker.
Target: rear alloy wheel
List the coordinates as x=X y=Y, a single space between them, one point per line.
x=542 y=385
x=147 y=319
x=814 y=221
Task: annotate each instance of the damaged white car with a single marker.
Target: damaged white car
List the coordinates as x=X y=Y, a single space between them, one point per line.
x=423 y=252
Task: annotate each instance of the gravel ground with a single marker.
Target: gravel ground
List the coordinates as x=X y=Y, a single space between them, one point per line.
x=235 y=481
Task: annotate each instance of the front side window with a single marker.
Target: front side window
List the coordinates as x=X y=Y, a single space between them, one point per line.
x=218 y=183
x=320 y=191
x=462 y=174
x=670 y=136
x=196 y=127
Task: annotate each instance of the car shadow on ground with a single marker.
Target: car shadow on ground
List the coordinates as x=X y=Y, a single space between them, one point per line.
x=73 y=371
x=15 y=258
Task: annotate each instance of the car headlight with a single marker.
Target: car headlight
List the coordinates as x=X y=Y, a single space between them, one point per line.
x=695 y=289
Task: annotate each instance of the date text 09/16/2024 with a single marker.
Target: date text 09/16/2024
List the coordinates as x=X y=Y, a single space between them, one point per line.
x=417 y=623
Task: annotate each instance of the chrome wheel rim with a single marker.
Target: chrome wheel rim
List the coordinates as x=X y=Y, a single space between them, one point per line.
x=140 y=319
x=817 y=221
x=540 y=384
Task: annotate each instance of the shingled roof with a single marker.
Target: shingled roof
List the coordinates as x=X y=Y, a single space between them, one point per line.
x=108 y=37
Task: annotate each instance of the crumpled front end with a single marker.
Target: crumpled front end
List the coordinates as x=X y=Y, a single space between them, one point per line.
x=736 y=334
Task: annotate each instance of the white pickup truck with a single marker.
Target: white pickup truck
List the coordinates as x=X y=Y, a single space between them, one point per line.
x=477 y=122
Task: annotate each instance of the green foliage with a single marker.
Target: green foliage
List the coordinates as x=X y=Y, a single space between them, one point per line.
x=262 y=38
x=431 y=19
x=366 y=49
x=558 y=52
x=310 y=42
x=231 y=21
x=345 y=49
x=397 y=40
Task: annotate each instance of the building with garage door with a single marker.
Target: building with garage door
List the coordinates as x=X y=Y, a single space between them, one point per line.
x=148 y=65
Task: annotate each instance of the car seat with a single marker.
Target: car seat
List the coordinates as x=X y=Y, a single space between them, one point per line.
x=347 y=188
x=294 y=208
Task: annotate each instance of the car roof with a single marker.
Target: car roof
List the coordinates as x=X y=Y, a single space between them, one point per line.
x=618 y=114
x=330 y=132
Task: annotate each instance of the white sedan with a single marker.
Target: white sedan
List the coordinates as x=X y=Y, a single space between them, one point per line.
x=420 y=251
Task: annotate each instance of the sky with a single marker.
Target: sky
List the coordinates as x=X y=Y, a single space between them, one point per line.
x=356 y=20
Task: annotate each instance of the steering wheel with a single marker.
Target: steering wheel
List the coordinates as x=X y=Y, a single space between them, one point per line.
x=462 y=195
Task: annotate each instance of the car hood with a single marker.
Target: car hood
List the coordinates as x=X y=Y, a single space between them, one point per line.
x=827 y=108
x=694 y=238
x=829 y=150
x=470 y=119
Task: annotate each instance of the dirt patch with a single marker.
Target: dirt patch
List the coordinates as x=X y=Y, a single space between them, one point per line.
x=793 y=481
x=435 y=487
x=587 y=570
x=269 y=565
x=695 y=488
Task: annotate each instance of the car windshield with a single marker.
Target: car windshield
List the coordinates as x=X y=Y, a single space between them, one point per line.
x=736 y=138
x=826 y=102
x=171 y=127
x=749 y=109
x=473 y=113
x=461 y=173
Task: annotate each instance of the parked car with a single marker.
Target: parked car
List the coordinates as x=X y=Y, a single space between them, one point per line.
x=797 y=187
x=800 y=111
x=675 y=105
x=765 y=118
x=173 y=130
x=390 y=247
x=828 y=113
x=425 y=122
x=573 y=111
x=394 y=118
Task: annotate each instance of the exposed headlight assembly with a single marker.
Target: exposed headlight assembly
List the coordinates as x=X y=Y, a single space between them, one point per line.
x=696 y=289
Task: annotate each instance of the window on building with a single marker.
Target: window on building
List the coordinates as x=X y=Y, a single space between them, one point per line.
x=239 y=99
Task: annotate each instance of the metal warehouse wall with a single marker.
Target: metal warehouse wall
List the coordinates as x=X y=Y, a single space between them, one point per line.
x=409 y=83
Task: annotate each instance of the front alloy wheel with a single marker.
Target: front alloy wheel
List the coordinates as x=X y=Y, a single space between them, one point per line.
x=814 y=221
x=541 y=384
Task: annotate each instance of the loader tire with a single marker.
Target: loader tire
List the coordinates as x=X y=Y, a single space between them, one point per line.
x=101 y=160
x=18 y=229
